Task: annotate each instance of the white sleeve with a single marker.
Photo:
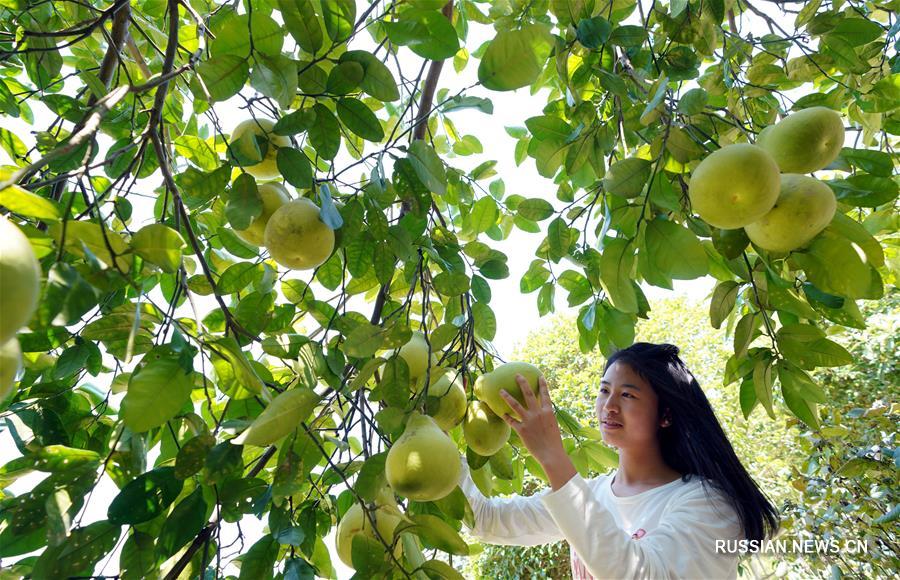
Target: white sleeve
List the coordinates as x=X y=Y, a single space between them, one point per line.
x=515 y=521
x=682 y=546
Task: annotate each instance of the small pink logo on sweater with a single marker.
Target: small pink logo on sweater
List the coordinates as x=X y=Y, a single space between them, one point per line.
x=638 y=534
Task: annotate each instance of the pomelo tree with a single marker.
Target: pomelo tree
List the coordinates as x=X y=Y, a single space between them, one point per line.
x=207 y=383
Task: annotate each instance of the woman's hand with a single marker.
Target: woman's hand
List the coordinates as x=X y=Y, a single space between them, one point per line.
x=539 y=431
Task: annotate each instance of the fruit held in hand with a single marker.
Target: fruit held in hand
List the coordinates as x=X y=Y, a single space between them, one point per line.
x=424 y=463
x=484 y=431
x=297 y=238
x=804 y=208
x=355 y=522
x=10 y=362
x=734 y=186
x=267 y=168
x=488 y=386
x=804 y=141
x=20 y=280
x=451 y=405
x=274 y=195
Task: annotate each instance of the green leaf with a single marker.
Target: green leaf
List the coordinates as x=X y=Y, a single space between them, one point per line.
x=146 y=497
x=674 y=250
x=192 y=455
x=198 y=151
x=436 y=533
x=345 y=77
x=275 y=77
x=427 y=33
x=79 y=553
x=629 y=36
x=159 y=244
x=183 y=524
x=295 y=167
x=339 y=17
x=616 y=264
x=227 y=348
x=762 y=384
x=325 y=133
x=296 y=122
x=300 y=20
x=23 y=202
x=723 y=300
x=515 y=58
x=156 y=392
x=280 y=417
x=243 y=204
x=693 y=102
x=628 y=177
x=259 y=561
x=593 y=32
x=876 y=163
x=234 y=37
x=468 y=102
x=428 y=166
x=441 y=570
x=484 y=215
x=451 y=283
x=378 y=80
x=363 y=341
x=224 y=75
x=485 y=321
x=857 y=31
x=863 y=190
x=360 y=119
x=535 y=209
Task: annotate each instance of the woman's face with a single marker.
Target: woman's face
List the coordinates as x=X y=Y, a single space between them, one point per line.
x=627 y=408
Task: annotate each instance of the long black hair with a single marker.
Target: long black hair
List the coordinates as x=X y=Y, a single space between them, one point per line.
x=694 y=442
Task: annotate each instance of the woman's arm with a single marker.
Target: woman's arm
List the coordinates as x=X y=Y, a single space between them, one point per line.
x=682 y=546
x=515 y=521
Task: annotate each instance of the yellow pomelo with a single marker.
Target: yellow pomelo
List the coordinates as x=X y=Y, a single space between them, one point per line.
x=274 y=195
x=10 y=362
x=355 y=522
x=484 y=431
x=488 y=386
x=20 y=280
x=734 y=186
x=296 y=237
x=424 y=463
x=804 y=141
x=804 y=208
x=447 y=387
x=268 y=167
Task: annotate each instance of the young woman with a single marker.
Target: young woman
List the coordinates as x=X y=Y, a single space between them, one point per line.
x=679 y=487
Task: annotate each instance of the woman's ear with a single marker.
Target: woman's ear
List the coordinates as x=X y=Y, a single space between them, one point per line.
x=666 y=419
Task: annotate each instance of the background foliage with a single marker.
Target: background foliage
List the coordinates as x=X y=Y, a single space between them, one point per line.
x=161 y=335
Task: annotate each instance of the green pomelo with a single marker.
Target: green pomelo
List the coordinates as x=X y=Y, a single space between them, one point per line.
x=424 y=463
x=20 y=280
x=734 y=186
x=10 y=363
x=274 y=195
x=484 y=431
x=268 y=167
x=355 y=522
x=451 y=405
x=296 y=237
x=804 y=208
x=804 y=141
x=489 y=385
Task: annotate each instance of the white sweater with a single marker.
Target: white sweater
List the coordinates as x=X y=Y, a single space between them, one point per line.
x=666 y=532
